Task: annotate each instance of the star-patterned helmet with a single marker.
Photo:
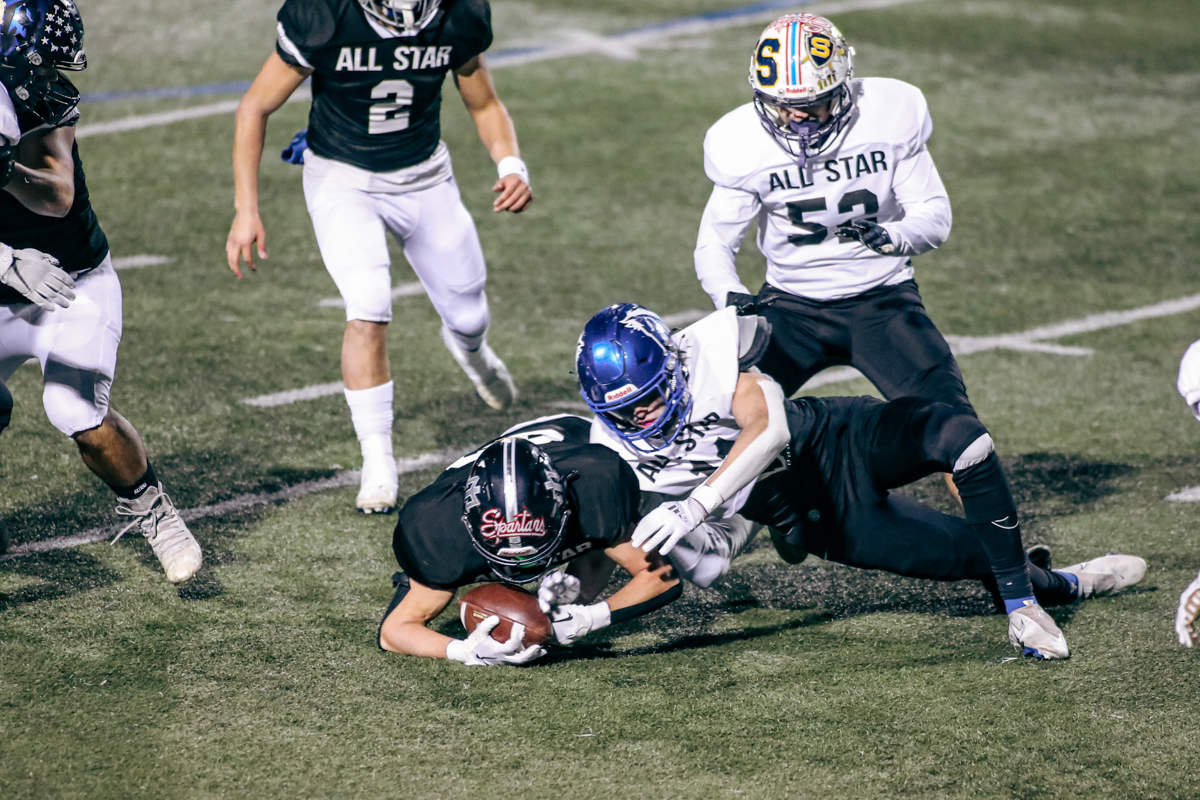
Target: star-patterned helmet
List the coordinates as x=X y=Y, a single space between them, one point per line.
x=401 y=17
x=37 y=39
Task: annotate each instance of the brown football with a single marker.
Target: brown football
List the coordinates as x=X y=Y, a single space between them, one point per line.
x=510 y=605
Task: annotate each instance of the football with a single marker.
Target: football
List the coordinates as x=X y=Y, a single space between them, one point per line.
x=510 y=605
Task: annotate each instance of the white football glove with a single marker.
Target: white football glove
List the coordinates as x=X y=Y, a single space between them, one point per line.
x=557 y=589
x=1185 y=617
x=1189 y=378
x=36 y=275
x=575 y=622
x=667 y=524
x=481 y=650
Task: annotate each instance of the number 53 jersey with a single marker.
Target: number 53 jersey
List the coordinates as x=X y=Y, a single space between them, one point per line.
x=377 y=97
x=878 y=169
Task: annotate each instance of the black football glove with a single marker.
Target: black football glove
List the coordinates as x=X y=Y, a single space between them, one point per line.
x=747 y=304
x=870 y=233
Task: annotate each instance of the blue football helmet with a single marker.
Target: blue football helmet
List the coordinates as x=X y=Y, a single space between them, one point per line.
x=37 y=39
x=626 y=359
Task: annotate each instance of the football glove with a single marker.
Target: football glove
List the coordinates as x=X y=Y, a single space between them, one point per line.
x=294 y=152
x=869 y=233
x=36 y=275
x=746 y=304
x=667 y=524
x=1189 y=610
x=481 y=650
x=574 y=622
x=557 y=589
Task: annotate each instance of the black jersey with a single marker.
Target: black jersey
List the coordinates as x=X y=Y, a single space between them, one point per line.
x=377 y=99
x=431 y=542
x=76 y=240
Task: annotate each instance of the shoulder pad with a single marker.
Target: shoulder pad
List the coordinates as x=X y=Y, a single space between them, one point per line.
x=730 y=152
x=310 y=24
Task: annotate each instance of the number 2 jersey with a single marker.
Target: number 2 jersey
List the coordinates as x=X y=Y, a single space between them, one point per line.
x=431 y=542
x=879 y=169
x=377 y=97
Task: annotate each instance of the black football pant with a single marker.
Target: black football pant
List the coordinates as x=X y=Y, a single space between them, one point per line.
x=884 y=333
x=834 y=500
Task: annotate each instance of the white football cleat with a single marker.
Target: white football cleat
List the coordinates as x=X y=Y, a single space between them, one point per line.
x=1189 y=610
x=711 y=549
x=158 y=520
x=1031 y=630
x=1106 y=574
x=492 y=382
x=379 y=486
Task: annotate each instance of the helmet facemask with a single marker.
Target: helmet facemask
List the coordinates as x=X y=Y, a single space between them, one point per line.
x=809 y=138
x=401 y=17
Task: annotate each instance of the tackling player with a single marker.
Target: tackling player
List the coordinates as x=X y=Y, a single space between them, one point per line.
x=1189 y=602
x=375 y=164
x=697 y=422
x=837 y=173
x=537 y=497
x=45 y=207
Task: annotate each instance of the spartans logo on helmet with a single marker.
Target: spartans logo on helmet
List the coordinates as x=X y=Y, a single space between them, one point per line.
x=801 y=73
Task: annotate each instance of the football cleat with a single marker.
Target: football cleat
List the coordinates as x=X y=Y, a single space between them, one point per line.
x=1189 y=610
x=1031 y=630
x=709 y=550
x=379 y=486
x=492 y=382
x=158 y=520
x=802 y=62
x=1107 y=574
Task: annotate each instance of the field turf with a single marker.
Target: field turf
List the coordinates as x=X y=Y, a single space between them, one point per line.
x=1066 y=134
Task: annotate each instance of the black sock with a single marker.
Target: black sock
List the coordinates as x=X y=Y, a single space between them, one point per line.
x=990 y=510
x=1051 y=588
x=140 y=486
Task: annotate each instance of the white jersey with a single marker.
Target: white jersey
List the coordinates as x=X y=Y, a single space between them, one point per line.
x=878 y=168
x=710 y=349
x=10 y=131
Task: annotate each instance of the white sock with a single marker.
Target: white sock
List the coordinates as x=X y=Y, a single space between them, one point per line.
x=371 y=412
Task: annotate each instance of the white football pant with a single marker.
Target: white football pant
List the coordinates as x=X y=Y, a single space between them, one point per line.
x=76 y=347
x=434 y=228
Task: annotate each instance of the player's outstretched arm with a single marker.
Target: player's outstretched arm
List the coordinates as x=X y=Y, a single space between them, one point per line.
x=274 y=85
x=758 y=408
x=496 y=131
x=727 y=217
x=653 y=585
x=405 y=629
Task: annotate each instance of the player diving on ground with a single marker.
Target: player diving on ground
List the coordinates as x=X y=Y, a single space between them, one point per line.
x=697 y=422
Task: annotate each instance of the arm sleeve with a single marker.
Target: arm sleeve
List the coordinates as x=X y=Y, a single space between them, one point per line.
x=919 y=191
x=722 y=228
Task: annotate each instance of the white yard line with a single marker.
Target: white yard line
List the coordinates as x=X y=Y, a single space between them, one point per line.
x=132 y=262
x=296 y=395
x=403 y=290
x=240 y=503
x=1189 y=495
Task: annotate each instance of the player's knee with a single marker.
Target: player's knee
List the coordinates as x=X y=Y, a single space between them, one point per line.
x=956 y=437
x=71 y=411
x=469 y=316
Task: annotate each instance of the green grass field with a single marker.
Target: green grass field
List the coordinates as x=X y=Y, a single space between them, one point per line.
x=1066 y=134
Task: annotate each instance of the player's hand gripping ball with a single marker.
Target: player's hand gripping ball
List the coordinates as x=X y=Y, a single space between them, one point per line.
x=511 y=605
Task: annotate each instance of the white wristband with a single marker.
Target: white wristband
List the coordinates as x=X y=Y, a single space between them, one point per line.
x=708 y=497
x=6 y=259
x=601 y=615
x=511 y=165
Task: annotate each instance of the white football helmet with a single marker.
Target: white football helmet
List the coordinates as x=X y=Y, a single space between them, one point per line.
x=802 y=61
x=402 y=17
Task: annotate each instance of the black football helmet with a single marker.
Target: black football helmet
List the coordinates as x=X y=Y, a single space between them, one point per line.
x=401 y=17
x=515 y=509
x=37 y=39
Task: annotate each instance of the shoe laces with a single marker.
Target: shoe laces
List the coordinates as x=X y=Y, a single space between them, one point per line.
x=160 y=523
